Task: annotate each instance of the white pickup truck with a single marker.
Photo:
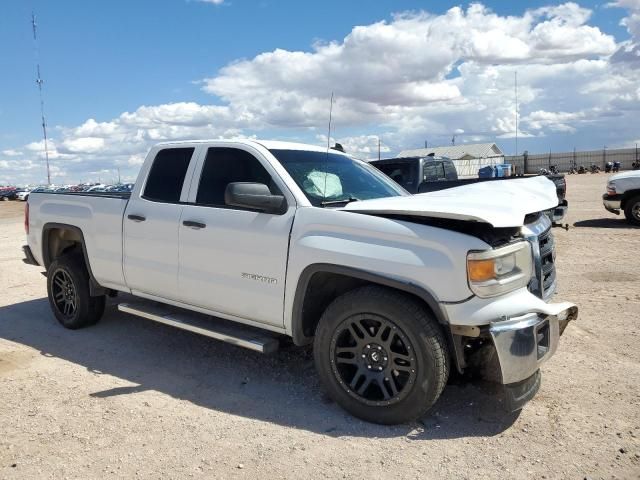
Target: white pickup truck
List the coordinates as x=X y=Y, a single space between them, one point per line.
x=623 y=194
x=251 y=241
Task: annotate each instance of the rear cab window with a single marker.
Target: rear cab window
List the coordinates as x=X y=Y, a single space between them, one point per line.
x=433 y=171
x=402 y=173
x=166 y=177
x=450 y=170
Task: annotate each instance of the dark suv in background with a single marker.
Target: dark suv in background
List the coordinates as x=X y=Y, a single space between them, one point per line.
x=418 y=174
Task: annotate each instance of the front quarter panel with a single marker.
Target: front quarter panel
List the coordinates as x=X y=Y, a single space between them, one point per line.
x=430 y=258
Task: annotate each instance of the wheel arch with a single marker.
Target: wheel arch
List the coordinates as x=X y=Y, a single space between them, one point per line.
x=58 y=238
x=309 y=304
x=316 y=276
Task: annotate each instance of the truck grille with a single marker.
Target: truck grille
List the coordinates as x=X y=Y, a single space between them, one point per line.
x=539 y=235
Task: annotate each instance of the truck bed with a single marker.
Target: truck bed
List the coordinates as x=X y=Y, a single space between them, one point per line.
x=97 y=215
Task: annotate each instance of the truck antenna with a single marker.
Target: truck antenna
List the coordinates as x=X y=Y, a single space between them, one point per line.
x=324 y=191
x=39 y=82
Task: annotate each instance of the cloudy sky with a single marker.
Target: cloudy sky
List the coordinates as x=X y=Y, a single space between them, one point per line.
x=121 y=75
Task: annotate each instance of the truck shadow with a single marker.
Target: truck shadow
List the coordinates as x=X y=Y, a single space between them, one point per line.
x=281 y=388
x=604 y=223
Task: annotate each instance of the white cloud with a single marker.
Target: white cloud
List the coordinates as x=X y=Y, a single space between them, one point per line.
x=405 y=62
x=404 y=71
x=11 y=153
x=82 y=145
x=555 y=121
x=214 y=2
x=415 y=77
x=361 y=146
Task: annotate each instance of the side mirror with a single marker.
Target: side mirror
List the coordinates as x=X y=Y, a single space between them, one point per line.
x=254 y=196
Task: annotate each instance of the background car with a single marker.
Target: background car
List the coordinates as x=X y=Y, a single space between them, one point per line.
x=8 y=193
x=22 y=195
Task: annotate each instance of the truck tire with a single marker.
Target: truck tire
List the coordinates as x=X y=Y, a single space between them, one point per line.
x=386 y=367
x=632 y=210
x=68 y=292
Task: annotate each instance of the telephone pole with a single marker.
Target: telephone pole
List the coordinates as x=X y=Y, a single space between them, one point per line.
x=39 y=82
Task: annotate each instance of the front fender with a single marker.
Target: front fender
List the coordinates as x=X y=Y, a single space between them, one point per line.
x=430 y=258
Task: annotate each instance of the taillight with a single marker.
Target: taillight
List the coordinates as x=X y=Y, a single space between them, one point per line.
x=26 y=218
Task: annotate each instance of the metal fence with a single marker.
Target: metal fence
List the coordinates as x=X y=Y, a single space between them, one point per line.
x=564 y=161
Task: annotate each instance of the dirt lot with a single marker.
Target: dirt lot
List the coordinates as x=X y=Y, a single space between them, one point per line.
x=130 y=398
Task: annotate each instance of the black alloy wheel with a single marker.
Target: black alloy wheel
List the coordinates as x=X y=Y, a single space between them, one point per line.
x=373 y=360
x=69 y=292
x=381 y=355
x=65 y=296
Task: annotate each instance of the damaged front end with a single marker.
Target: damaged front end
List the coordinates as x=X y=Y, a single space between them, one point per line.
x=511 y=350
x=508 y=338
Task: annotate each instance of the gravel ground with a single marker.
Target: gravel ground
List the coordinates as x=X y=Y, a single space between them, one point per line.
x=131 y=398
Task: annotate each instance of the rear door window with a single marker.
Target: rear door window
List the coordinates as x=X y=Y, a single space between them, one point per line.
x=166 y=177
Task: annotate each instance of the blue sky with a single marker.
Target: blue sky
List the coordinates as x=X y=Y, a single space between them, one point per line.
x=183 y=59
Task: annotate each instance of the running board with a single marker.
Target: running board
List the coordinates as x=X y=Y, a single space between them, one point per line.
x=224 y=330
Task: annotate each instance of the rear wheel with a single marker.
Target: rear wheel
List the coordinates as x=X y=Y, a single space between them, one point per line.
x=68 y=292
x=381 y=355
x=632 y=210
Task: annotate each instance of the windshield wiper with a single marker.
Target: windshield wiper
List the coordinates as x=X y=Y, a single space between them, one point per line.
x=338 y=202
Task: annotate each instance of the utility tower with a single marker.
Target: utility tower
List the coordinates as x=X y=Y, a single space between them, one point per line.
x=516 y=89
x=39 y=82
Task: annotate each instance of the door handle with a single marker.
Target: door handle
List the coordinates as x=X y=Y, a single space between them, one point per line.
x=192 y=224
x=136 y=218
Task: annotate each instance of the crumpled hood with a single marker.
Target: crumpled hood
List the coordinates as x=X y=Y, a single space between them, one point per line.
x=501 y=203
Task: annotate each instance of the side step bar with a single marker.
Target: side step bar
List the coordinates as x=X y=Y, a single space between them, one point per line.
x=224 y=330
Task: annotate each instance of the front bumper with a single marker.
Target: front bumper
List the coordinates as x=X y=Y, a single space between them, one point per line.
x=518 y=332
x=524 y=343
x=612 y=203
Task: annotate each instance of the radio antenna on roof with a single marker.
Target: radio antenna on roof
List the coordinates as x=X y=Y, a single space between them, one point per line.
x=324 y=190
x=330 y=114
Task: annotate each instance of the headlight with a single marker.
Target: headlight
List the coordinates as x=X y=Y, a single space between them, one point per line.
x=501 y=270
x=611 y=188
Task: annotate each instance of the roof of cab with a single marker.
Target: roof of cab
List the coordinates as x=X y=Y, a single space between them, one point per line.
x=268 y=144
